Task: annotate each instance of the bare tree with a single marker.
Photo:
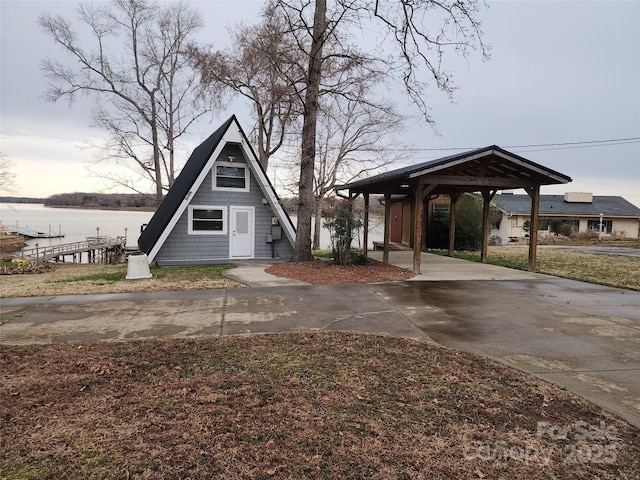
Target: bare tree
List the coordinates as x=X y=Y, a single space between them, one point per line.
x=7 y=176
x=415 y=46
x=262 y=64
x=137 y=73
x=354 y=137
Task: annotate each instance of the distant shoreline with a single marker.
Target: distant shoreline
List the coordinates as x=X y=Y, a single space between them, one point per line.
x=88 y=207
x=98 y=207
x=89 y=201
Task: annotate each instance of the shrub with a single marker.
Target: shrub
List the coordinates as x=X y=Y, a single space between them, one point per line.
x=469 y=222
x=586 y=235
x=342 y=224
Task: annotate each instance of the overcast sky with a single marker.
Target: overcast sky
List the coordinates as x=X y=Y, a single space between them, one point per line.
x=563 y=77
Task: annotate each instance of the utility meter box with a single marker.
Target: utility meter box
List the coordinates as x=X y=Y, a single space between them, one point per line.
x=276 y=232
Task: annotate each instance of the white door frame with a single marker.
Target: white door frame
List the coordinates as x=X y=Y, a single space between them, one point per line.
x=250 y=236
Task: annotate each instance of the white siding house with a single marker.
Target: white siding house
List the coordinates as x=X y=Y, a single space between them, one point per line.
x=579 y=210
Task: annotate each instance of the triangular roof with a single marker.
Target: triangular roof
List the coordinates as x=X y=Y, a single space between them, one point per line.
x=490 y=167
x=191 y=177
x=610 y=206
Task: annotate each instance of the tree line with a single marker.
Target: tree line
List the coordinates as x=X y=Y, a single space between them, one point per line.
x=317 y=74
x=99 y=200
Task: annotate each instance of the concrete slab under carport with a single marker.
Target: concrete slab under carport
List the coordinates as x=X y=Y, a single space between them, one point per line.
x=438 y=268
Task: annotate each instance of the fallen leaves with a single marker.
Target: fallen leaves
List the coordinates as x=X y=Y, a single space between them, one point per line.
x=369 y=407
x=102 y=369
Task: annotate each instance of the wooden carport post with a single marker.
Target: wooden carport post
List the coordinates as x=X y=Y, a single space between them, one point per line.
x=487 y=196
x=365 y=233
x=421 y=191
x=534 y=193
x=387 y=223
x=454 y=196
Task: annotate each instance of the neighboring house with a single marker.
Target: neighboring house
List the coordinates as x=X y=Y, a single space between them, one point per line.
x=579 y=210
x=220 y=209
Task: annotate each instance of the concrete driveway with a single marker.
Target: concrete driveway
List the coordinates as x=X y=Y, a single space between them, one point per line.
x=580 y=336
x=583 y=337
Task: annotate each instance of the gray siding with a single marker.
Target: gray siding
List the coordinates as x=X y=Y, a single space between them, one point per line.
x=182 y=248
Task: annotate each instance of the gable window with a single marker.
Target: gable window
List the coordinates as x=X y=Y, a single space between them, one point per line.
x=207 y=220
x=230 y=176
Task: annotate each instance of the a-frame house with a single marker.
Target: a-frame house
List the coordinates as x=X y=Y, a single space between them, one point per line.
x=222 y=208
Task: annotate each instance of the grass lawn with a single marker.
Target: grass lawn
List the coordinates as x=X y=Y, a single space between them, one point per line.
x=612 y=270
x=71 y=279
x=295 y=406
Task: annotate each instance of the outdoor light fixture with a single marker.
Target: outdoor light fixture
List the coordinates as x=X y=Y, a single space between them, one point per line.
x=231 y=158
x=600 y=229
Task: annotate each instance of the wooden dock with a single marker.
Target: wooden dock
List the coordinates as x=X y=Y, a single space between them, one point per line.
x=29 y=232
x=10 y=243
x=97 y=249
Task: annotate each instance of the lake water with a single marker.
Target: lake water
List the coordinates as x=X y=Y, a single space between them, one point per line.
x=78 y=223
x=74 y=223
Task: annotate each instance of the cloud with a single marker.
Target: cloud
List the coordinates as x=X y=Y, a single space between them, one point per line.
x=560 y=72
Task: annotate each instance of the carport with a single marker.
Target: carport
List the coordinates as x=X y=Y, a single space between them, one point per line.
x=485 y=171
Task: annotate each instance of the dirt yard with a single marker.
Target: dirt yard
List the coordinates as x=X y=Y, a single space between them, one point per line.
x=291 y=406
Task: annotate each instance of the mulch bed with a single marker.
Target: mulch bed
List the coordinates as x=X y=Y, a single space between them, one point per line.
x=323 y=272
x=25 y=269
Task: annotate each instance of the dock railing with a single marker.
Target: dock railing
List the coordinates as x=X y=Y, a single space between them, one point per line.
x=90 y=246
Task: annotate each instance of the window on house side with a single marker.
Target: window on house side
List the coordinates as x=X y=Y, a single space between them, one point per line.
x=594 y=226
x=205 y=220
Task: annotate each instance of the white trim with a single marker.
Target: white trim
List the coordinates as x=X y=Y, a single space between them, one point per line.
x=270 y=194
x=214 y=177
x=225 y=220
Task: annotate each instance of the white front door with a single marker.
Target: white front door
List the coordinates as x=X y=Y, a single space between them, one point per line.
x=242 y=226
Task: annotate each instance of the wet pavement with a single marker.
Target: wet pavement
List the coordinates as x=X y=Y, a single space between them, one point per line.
x=580 y=336
x=583 y=337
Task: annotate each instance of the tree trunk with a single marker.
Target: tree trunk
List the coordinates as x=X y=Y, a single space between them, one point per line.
x=156 y=152
x=302 y=248
x=318 y=224
x=263 y=156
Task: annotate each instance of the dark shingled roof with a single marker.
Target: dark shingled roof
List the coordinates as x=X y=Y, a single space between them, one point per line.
x=610 y=206
x=180 y=188
x=494 y=154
